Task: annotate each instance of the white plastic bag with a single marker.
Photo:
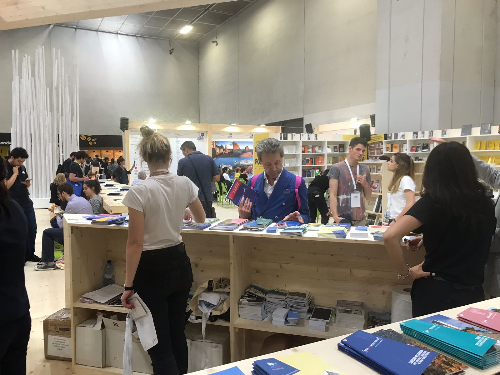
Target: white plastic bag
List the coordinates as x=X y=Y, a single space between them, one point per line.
x=128 y=349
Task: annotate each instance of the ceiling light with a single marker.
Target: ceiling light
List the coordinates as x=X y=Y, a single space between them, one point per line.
x=354 y=119
x=188 y=122
x=262 y=125
x=186 y=29
x=233 y=124
x=152 y=120
x=231 y=129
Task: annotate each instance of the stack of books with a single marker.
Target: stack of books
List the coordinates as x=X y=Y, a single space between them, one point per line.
x=320 y=317
x=292 y=319
x=478 y=351
x=295 y=231
x=386 y=356
x=251 y=304
x=360 y=233
x=272 y=366
x=229 y=224
x=258 y=225
x=274 y=299
x=279 y=316
x=191 y=225
x=335 y=231
x=299 y=302
x=350 y=315
x=486 y=319
x=314 y=227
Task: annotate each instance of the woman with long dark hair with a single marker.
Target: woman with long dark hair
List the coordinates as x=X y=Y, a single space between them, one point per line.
x=157 y=266
x=15 y=320
x=401 y=195
x=457 y=221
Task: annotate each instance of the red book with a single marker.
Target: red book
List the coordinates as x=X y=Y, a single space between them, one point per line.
x=482 y=318
x=413 y=148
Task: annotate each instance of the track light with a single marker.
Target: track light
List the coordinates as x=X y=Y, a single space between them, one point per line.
x=186 y=29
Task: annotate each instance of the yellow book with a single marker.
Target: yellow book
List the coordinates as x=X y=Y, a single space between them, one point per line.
x=307 y=363
x=395 y=148
x=477 y=145
x=491 y=145
x=497 y=145
x=483 y=145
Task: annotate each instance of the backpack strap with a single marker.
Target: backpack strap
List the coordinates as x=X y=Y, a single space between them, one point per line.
x=253 y=181
x=298 y=181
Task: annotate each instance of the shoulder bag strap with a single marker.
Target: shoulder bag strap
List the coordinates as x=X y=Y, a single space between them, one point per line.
x=198 y=178
x=298 y=181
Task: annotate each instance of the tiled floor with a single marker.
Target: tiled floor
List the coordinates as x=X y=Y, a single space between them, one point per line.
x=46 y=293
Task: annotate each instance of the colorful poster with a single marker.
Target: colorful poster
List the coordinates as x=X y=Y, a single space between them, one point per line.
x=233 y=153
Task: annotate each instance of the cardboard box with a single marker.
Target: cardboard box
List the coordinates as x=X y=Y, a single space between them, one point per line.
x=115 y=341
x=90 y=344
x=57 y=335
x=214 y=351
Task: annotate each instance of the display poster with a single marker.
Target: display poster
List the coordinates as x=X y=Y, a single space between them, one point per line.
x=233 y=152
x=176 y=140
x=257 y=165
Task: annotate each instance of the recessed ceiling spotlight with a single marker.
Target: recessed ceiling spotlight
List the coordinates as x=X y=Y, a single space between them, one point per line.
x=188 y=122
x=262 y=125
x=354 y=119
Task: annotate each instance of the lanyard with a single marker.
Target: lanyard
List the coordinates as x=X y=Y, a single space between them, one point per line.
x=352 y=176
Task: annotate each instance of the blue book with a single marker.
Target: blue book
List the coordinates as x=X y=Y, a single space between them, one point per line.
x=230 y=371
x=238 y=191
x=455 y=324
x=387 y=356
x=272 y=366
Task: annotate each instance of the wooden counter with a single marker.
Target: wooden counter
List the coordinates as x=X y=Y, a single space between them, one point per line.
x=113 y=204
x=331 y=269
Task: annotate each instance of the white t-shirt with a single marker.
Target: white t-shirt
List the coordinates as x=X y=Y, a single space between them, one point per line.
x=163 y=200
x=397 y=201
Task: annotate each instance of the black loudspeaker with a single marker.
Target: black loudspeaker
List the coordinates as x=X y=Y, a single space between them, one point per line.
x=372 y=120
x=309 y=129
x=364 y=132
x=123 y=123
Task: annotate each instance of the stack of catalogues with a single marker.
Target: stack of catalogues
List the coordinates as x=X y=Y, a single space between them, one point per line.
x=251 y=304
x=274 y=299
x=478 y=351
x=299 y=302
x=486 y=319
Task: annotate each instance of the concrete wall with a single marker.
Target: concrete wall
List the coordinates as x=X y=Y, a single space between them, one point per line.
x=119 y=76
x=284 y=59
x=436 y=64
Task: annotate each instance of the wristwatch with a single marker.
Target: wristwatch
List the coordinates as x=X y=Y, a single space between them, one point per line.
x=128 y=287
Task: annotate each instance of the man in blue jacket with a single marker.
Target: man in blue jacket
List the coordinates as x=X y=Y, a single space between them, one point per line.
x=281 y=195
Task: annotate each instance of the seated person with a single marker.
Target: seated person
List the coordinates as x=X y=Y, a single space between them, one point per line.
x=54 y=197
x=278 y=199
x=75 y=205
x=141 y=176
x=91 y=189
x=237 y=172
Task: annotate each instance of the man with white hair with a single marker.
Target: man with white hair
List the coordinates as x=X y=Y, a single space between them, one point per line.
x=141 y=176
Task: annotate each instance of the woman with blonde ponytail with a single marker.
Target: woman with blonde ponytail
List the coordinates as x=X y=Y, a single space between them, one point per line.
x=157 y=266
x=401 y=195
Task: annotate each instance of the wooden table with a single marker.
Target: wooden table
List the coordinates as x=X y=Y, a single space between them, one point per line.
x=331 y=269
x=328 y=352
x=113 y=204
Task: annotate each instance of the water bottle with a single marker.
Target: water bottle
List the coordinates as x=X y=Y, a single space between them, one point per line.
x=387 y=217
x=109 y=275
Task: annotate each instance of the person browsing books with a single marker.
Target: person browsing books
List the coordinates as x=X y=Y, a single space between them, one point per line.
x=401 y=195
x=350 y=184
x=316 y=197
x=457 y=221
x=157 y=266
x=281 y=195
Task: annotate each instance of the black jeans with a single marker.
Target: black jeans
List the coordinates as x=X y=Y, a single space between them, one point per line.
x=29 y=212
x=14 y=346
x=429 y=296
x=317 y=203
x=163 y=280
x=207 y=207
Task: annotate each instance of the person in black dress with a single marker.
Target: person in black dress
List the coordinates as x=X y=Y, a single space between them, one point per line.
x=316 y=197
x=457 y=221
x=15 y=319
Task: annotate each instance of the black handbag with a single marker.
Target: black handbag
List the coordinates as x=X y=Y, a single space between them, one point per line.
x=211 y=214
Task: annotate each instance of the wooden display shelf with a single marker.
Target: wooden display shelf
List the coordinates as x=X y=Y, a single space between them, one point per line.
x=373 y=213
x=100 y=307
x=299 y=330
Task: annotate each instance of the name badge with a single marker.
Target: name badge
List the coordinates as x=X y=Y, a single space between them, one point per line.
x=356 y=199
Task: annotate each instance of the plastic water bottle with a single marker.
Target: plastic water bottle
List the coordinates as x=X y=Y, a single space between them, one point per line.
x=109 y=275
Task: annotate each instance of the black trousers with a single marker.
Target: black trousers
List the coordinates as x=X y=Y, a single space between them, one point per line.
x=14 y=339
x=207 y=207
x=317 y=203
x=429 y=296
x=163 y=280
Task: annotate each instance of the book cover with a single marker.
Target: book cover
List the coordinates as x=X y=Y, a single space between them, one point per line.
x=272 y=366
x=308 y=364
x=483 y=145
x=230 y=371
x=441 y=365
x=320 y=160
x=485 y=129
x=425 y=147
x=484 y=318
x=335 y=148
x=390 y=356
x=413 y=148
x=341 y=147
x=456 y=324
x=395 y=148
x=415 y=135
x=388 y=147
x=239 y=190
x=466 y=130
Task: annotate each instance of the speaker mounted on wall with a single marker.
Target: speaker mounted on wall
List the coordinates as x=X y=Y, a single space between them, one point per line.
x=364 y=132
x=372 y=120
x=123 y=123
x=309 y=128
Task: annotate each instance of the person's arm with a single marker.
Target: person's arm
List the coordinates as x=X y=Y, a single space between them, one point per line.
x=392 y=241
x=131 y=169
x=197 y=211
x=410 y=201
x=215 y=172
x=12 y=178
x=180 y=166
x=245 y=209
x=133 y=252
x=487 y=173
x=334 y=184
x=365 y=181
x=73 y=178
x=216 y=178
